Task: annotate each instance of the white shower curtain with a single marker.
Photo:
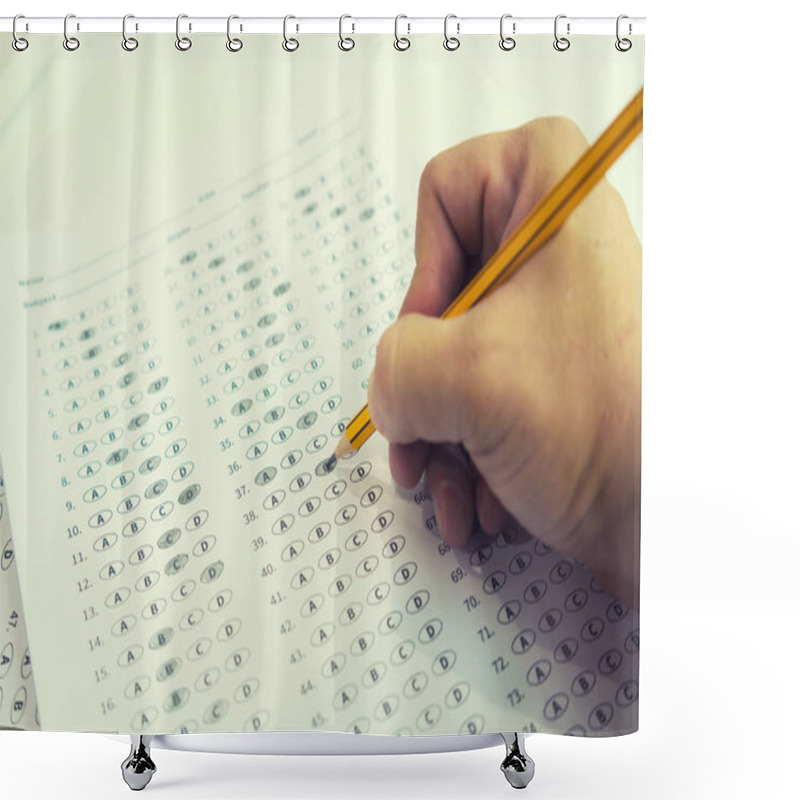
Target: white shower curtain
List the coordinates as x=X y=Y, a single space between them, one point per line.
x=201 y=250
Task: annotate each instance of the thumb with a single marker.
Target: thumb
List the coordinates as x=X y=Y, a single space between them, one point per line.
x=423 y=384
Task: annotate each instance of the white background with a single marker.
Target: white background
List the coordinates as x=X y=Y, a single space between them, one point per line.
x=719 y=706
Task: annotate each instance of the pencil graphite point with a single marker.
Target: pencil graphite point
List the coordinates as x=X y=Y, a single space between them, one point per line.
x=331 y=463
x=343 y=448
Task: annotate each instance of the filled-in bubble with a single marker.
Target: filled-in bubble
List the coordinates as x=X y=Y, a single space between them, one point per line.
x=326 y=466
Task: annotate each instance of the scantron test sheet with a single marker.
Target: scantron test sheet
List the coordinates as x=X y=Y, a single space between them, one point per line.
x=185 y=562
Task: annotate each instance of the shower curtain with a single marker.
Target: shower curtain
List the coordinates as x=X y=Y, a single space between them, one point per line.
x=202 y=248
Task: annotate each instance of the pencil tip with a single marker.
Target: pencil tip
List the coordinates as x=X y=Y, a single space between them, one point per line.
x=343 y=449
x=331 y=463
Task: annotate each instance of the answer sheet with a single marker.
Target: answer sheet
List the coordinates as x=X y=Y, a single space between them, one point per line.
x=186 y=563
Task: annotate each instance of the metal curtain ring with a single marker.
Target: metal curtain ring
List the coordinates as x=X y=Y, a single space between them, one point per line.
x=181 y=42
x=70 y=42
x=128 y=42
x=345 y=43
x=507 y=42
x=290 y=45
x=623 y=45
x=18 y=43
x=451 y=42
x=234 y=45
x=561 y=43
x=401 y=42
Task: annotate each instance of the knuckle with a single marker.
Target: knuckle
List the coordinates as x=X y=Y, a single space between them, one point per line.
x=435 y=173
x=565 y=128
x=558 y=128
x=559 y=138
x=429 y=179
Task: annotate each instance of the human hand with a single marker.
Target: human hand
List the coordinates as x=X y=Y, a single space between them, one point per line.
x=528 y=404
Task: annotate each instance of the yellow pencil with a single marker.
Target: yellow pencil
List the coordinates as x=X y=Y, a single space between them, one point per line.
x=529 y=236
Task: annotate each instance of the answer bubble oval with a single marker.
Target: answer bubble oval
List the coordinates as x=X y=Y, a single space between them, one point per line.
x=523 y=641
x=394 y=546
x=131 y=655
x=382 y=521
x=319 y=532
x=196 y=520
x=556 y=706
x=265 y=476
x=583 y=683
x=292 y=550
x=118 y=597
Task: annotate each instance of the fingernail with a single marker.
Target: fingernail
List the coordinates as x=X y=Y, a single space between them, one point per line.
x=452 y=515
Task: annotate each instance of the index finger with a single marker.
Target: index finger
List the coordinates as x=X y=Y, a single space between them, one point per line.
x=466 y=197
